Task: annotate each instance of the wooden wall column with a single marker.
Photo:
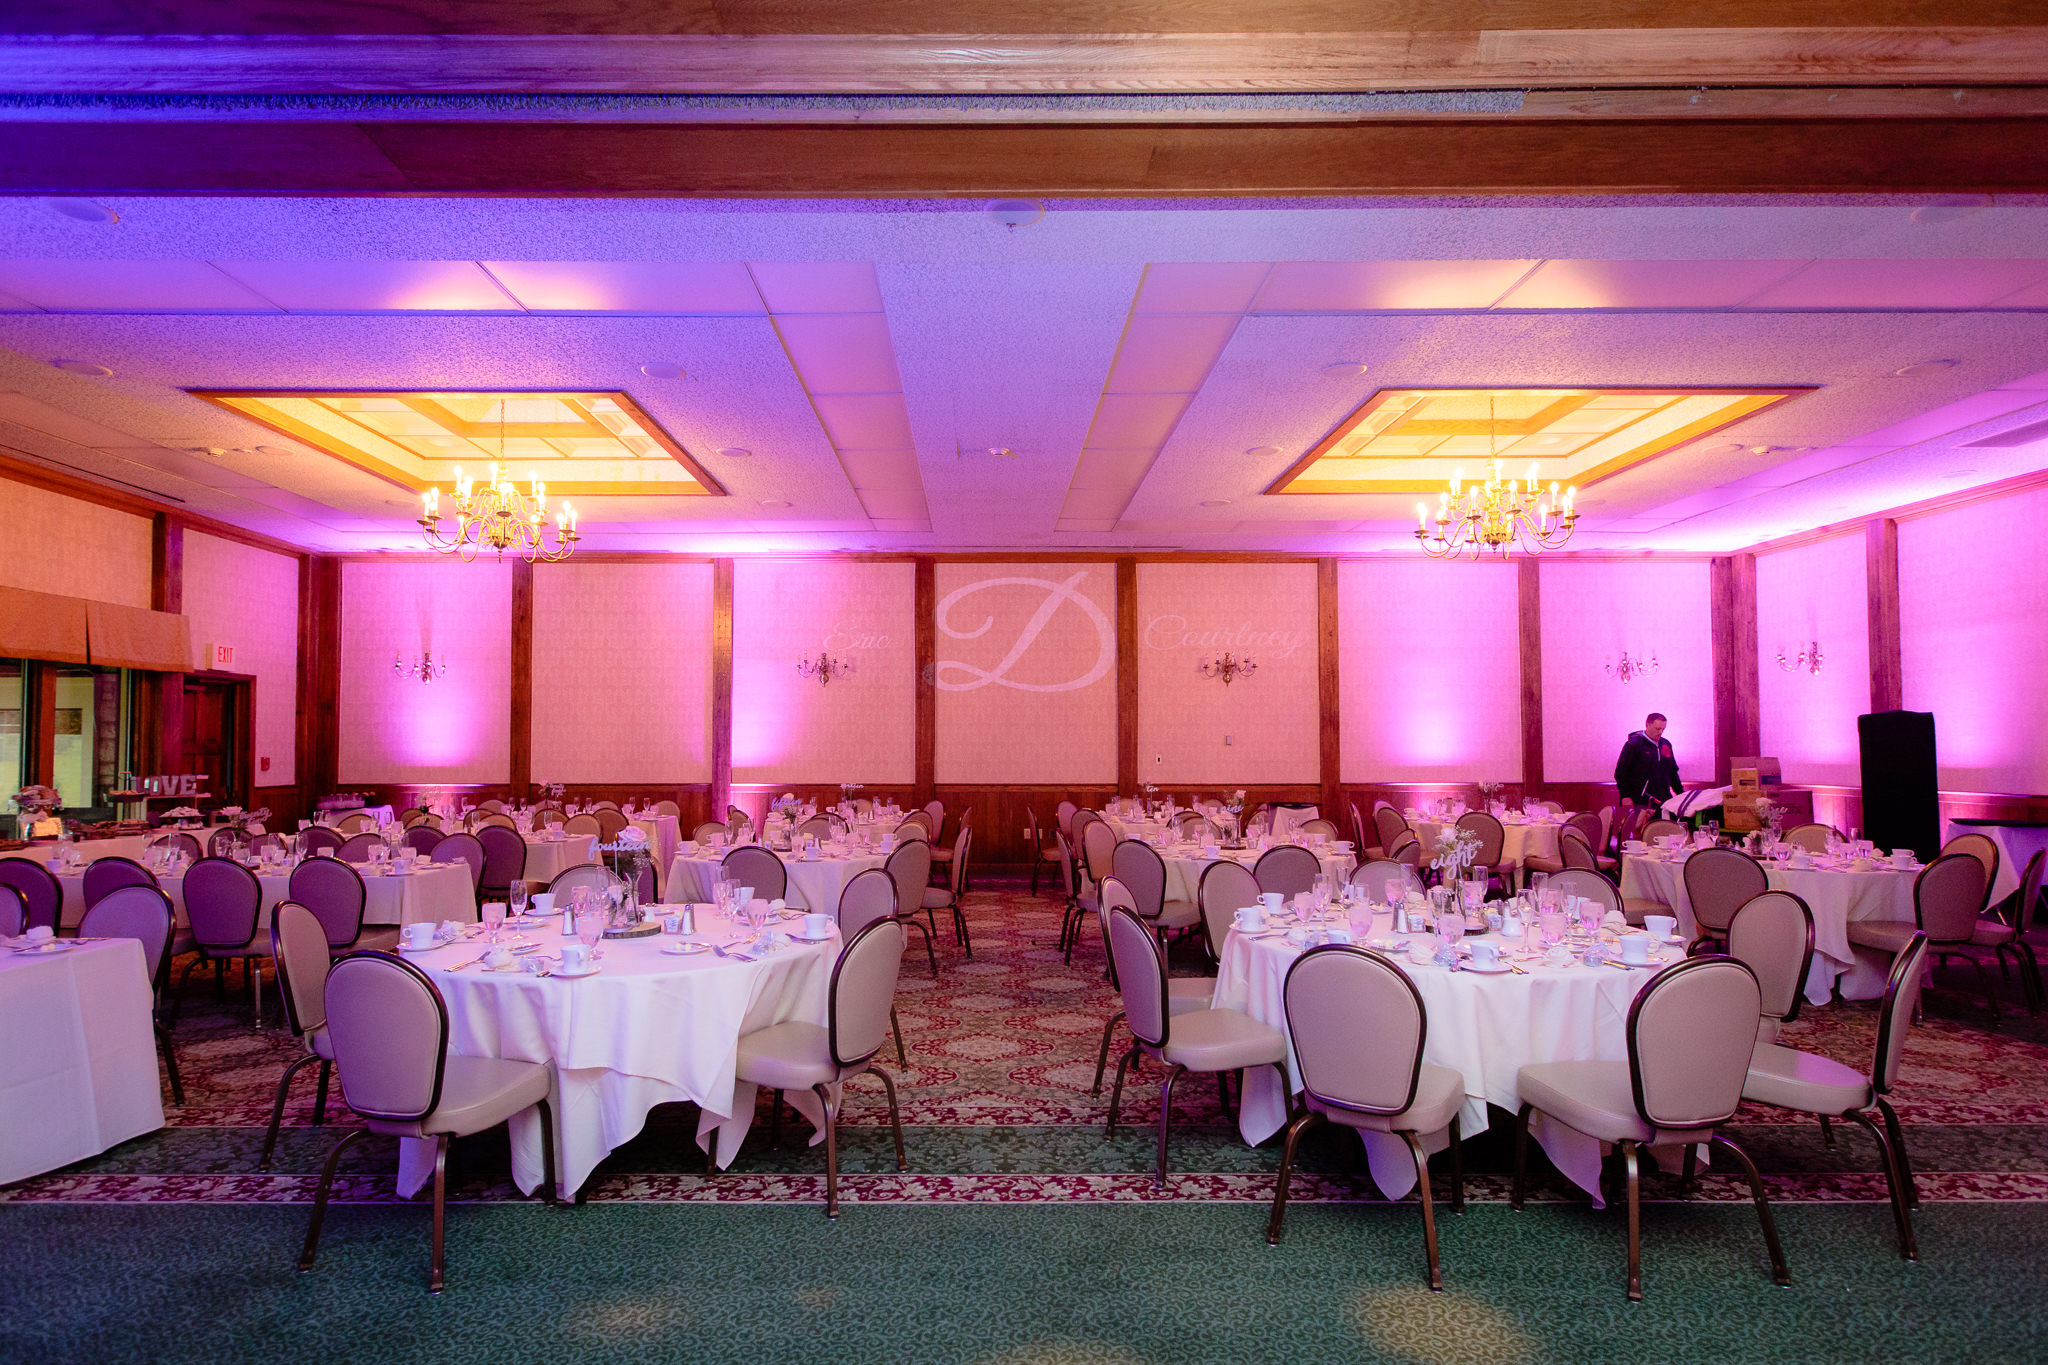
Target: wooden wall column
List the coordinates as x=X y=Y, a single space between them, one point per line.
x=522 y=679
x=167 y=593
x=721 y=687
x=1329 y=696
x=924 y=608
x=39 y=717
x=1881 y=576
x=1529 y=615
x=1737 y=727
x=319 y=758
x=1127 y=778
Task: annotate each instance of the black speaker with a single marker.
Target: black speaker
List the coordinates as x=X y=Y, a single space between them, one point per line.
x=1901 y=805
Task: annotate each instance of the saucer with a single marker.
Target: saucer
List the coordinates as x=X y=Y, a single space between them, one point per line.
x=438 y=942
x=1676 y=940
x=1497 y=969
x=802 y=937
x=683 y=947
x=592 y=970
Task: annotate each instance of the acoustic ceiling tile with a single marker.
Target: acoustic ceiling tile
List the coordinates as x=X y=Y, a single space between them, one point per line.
x=1386 y=286
x=1112 y=468
x=716 y=287
x=1200 y=286
x=1917 y=283
x=818 y=286
x=1645 y=284
x=1095 y=502
x=902 y=504
x=359 y=286
x=1169 y=353
x=841 y=352
x=1125 y=421
x=97 y=286
x=882 y=468
x=865 y=421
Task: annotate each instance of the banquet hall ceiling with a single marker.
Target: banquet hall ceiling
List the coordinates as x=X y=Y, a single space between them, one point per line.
x=923 y=375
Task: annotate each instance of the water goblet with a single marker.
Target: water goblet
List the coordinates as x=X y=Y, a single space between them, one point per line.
x=519 y=894
x=590 y=926
x=494 y=920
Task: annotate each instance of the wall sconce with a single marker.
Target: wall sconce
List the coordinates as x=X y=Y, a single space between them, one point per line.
x=825 y=668
x=1631 y=667
x=1226 y=667
x=424 y=667
x=1807 y=658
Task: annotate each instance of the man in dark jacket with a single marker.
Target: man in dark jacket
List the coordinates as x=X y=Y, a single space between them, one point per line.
x=1647 y=772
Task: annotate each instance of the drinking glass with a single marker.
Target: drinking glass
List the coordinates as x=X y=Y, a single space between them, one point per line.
x=1450 y=927
x=590 y=925
x=519 y=893
x=494 y=920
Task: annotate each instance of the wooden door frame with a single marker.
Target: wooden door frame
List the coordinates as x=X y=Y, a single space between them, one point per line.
x=242 y=698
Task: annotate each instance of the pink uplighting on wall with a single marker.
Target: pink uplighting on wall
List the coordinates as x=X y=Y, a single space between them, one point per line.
x=397 y=729
x=1592 y=611
x=857 y=728
x=248 y=599
x=1430 y=667
x=1814 y=593
x=1973 y=626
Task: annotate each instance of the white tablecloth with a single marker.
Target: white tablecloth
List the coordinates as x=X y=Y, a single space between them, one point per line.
x=78 y=1072
x=814 y=885
x=1518 y=844
x=647 y=1029
x=547 y=859
x=662 y=836
x=1485 y=1027
x=1185 y=866
x=1835 y=898
x=2016 y=844
x=429 y=893
x=124 y=846
x=1286 y=818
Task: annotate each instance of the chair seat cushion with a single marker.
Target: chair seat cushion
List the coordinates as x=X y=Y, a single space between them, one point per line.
x=476 y=1093
x=1605 y=863
x=1596 y=1099
x=937 y=898
x=381 y=938
x=1439 y=1094
x=1989 y=933
x=788 y=1056
x=1634 y=909
x=1889 y=935
x=1221 y=1040
x=1767 y=1030
x=1805 y=1081
x=1178 y=915
x=1536 y=862
x=320 y=1043
x=1186 y=994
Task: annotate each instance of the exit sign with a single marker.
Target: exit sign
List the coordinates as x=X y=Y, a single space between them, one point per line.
x=220 y=656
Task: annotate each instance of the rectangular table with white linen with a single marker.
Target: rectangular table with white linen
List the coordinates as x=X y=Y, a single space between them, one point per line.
x=79 y=1071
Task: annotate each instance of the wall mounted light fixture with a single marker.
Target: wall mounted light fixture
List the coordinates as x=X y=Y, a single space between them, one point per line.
x=1226 y=667
x=825 y=668
x=1807 y=658
x=1632 y=666
x=424 y=667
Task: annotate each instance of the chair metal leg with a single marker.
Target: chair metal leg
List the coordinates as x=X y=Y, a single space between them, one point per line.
x=1827 y=1133
x=895 y=1117
x=1223 y=1091
x=1897 y=1133
x=1779 y=1273
x=1165 y=1121
x=320 y=1198
x=831 y=1150
x=284 y=1085
x=1893 y=1185
x=1457 y=1165
x=1521 y=1156
x=775 y=1121
x=1688 y=1179
x=1102 y=1057
x=170 y=1051
x=896 y=1031
x=1635 y=1222
x=320 y=1093
x=1116 y=1093
x=930 y=955
x=437 y=1275
x=1436 y=1268
x=1984 y=978
x=1294 y=1132
x=550 y=1191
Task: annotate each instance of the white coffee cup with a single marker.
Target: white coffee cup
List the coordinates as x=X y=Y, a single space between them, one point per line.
x=1485 y=954
x=1271 y=900
x=1663 y=926
x=419 y=935
x=543 y=902
x=689 y=848
x=817 y=926
x=1635 y=948
x=575 y=958
x=1251 y=918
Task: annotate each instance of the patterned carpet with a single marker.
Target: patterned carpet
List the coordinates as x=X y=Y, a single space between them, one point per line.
x=996 y=1102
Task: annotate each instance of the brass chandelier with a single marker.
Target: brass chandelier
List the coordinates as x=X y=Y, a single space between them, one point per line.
x=1496 y=515
x=495 y=515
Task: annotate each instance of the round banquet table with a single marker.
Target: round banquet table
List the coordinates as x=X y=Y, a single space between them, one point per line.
x=1531 y=839
x=663 y=834
x=1484 y=1027
x=2017 y=841
x=1185 y=865
x=814 y=885
x=548 y=858
x=79 y=1072
x=431 y=893
x=648 y=1028
x=1836 y=897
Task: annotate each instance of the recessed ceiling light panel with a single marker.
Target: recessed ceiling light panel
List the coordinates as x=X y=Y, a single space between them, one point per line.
x=82 y=210
x=84 y=367
x=662 y=369
x=1924 y=369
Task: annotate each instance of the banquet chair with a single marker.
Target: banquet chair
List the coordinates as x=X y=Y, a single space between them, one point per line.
x=388 y=1026
x=1572 y=851
x=1226 y=888
x=1653 y=830
x=752 y=865
x=917 y=820
x=495 y=820
x=298 y=947
x=951 y=897
x=1493 y=837
x=1587 y=882
x=1039 y=852
x=1143 y=872
x=142 y=913
x=1384 y=878
x=596 y=806
x=937 y=811
x=2003 y=938
x=1184 y=994
x=1946 y=897
x=704 y=832
x=319 y=839
x=1595 y=832
x=1406 y=849
x=1359 y=842
x=221 y=841
x=1063 y=814
x=859 y=1004
x=1287 y=868
x=1359 y=1028
x=179 y=840
x=468 y=849
x=353 y=824
x=610 y=820
x=596 y=876
x=866 y=897
x=1391 y=826
x=13 y=913
x=819 y=827
x=333 y=892
x=423 y=838
x=1811 y=837
x=1985 y=850
x=739 y=820
x=1772 y=933
x=1806 y=1082
x=1202 y=1040
x=547 y=816
x=223 y=901
x=668 y=808
x=1718 y=882
x=492 y=805
x=584 y=823
x=356 y=848
x=942 y=855
x=40 y=891
x=1691 y=1032
x=105 y=875
x=1076 y=910
x=1326 y=828
x=504 y=861
x=1098 y=844
x=910 y=867
x=406 y=816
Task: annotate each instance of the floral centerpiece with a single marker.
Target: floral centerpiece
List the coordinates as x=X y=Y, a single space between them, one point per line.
x=786 y=806
x=1455 y=850
x=1772 y=813
x=37 y=800
x=848 y=790
x=1489 y=792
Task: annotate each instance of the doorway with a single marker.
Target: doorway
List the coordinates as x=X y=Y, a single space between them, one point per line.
x=217 y=740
